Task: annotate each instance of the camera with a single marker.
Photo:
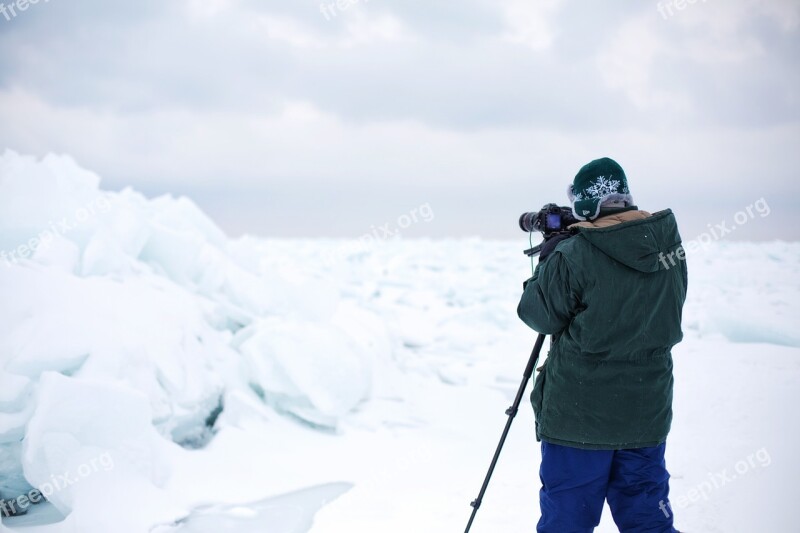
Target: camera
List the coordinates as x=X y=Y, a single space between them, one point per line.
x=549 y=220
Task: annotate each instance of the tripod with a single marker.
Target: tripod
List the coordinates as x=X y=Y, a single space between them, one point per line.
x=511 y=412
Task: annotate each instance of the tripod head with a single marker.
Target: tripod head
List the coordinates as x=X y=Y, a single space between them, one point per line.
x=536 y=250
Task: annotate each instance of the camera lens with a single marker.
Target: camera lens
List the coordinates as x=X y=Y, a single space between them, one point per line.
x=526 y=222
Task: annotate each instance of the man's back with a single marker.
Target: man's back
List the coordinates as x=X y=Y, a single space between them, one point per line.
x=611 y=296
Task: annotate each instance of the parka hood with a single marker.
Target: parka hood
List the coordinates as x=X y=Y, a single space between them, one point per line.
x=635 y=238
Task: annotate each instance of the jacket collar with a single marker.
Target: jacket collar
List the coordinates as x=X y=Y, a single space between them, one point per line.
x=613 y=219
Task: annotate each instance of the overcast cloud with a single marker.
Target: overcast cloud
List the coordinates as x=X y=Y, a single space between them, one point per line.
x=293 y=119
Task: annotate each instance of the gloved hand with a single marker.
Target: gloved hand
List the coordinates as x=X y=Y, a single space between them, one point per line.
x=550 y=244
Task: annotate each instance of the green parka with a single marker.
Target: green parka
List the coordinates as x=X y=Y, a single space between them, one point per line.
x=612 y=299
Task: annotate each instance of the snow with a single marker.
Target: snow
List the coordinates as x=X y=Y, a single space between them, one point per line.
x=158 y=376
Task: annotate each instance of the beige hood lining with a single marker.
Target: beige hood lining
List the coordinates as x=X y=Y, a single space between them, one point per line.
x=613 y=220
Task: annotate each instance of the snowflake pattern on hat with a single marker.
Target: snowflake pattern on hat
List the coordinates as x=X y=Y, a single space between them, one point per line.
x=602 y=187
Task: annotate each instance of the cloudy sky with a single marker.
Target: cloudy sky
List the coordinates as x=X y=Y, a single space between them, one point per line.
x=300 y=118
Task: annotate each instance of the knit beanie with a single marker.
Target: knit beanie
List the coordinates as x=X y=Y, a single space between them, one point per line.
x=600 y=182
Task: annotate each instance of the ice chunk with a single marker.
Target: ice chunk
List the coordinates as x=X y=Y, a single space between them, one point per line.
x=14 y=391
x=83 y=429
x=175 y=250
x=12 y=425
x=289 y=513
x=58 y=252
x=314 y=371
x=41 y=199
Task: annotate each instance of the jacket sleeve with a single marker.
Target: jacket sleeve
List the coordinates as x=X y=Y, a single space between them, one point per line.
x=549 y=301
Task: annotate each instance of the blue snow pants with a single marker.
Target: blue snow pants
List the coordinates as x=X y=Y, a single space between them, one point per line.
x=577 y=482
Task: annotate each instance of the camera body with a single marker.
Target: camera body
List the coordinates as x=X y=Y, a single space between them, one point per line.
x=550 y=220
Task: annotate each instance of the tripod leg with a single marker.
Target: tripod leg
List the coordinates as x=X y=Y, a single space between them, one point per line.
x=511 y=412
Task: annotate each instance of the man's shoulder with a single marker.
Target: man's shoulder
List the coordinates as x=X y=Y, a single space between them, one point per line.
x=573 y=252
x=575 y=244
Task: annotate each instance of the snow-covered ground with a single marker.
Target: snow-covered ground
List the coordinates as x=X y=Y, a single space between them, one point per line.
x=157 y=376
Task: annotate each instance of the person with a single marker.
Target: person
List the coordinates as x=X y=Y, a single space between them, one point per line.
x=603 y=398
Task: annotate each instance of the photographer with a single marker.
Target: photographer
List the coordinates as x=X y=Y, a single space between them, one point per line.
x=603 y=398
